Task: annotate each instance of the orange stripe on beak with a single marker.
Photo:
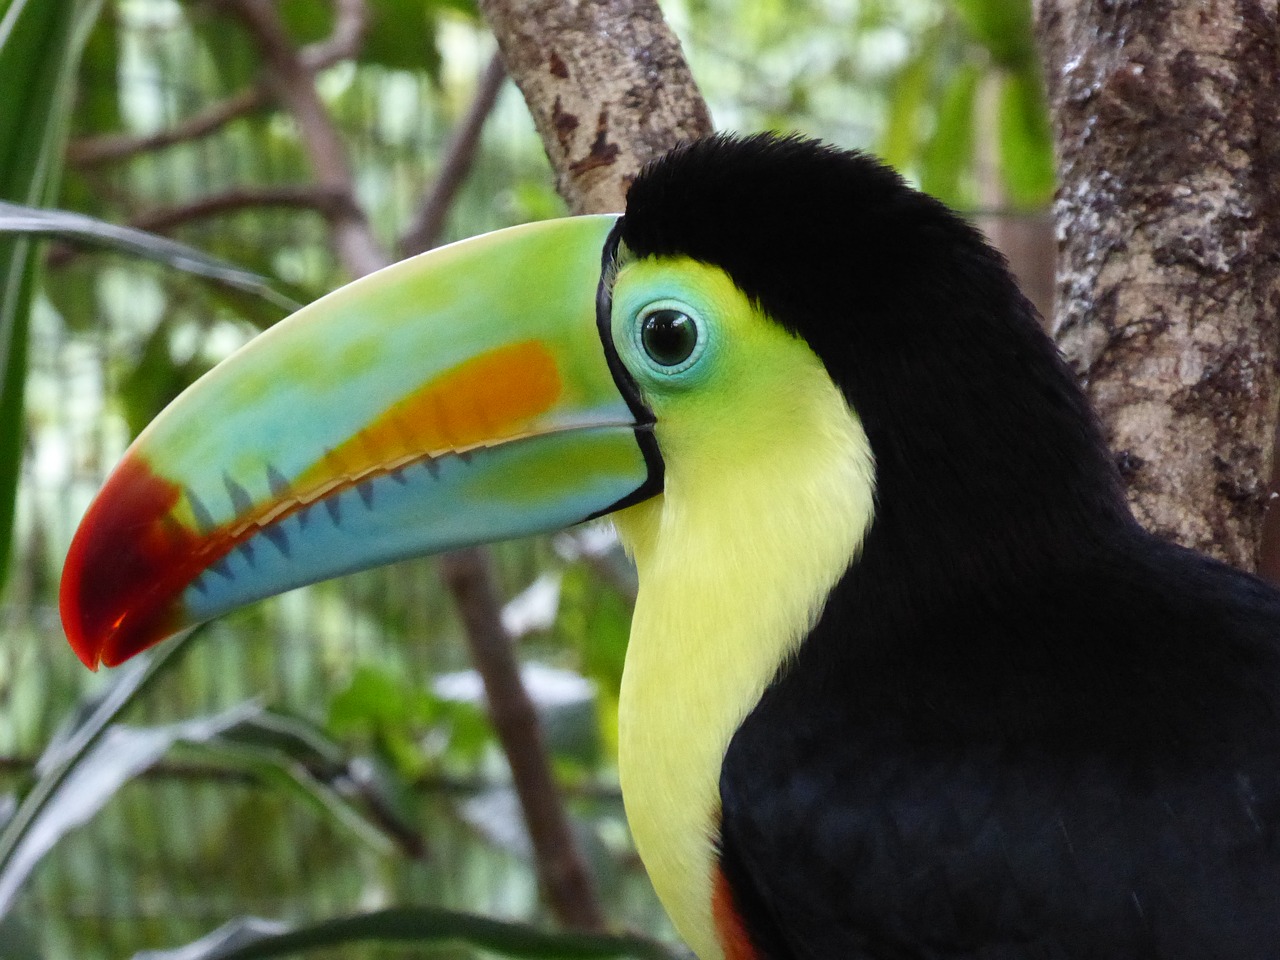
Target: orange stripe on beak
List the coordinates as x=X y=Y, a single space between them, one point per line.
x=487 y=399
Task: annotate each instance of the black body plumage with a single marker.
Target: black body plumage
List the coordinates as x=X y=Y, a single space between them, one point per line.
x=1023 y=727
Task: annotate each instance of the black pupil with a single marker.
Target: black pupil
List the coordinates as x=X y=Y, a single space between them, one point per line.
x=669 y=336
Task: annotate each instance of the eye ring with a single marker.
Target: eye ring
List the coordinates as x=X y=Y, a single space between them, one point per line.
x=669 y=337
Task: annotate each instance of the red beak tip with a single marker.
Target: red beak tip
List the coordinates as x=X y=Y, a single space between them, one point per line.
x=124 y=570
x=87 y=653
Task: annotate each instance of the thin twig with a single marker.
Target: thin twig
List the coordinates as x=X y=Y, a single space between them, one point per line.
x=350 y=22
x=95 y=151
x=342 y=44
x=328 y=202
x=293 y=82
x=425 y=230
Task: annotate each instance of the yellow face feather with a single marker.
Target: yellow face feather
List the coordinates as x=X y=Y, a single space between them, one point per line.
x=768 y=493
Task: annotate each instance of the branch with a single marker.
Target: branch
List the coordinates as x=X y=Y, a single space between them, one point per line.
x=350 y=22
x=293 y=82
x=342 y=44
x=328 y=202
x=424 y=232
x=561 y=867
x=1167 y=279
x=95 y=151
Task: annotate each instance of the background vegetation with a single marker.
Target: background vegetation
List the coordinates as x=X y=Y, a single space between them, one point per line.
x=328 y=752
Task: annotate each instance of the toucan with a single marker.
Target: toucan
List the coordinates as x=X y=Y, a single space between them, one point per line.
x=906 y=679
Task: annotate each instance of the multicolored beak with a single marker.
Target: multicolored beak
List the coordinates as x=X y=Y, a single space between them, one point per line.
x=459 y=397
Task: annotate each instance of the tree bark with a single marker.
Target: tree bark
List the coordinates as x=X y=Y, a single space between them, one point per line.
x=608 y=88
x=1168 y=224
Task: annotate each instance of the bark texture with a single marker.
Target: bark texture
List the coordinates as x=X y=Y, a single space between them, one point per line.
x=607 y=85
x=1168 y=226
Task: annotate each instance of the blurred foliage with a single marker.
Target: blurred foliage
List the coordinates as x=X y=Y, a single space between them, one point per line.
x=973 y=79
x=82 y=766
x=40 y=44
x=406 y=724
x=254 y=939
x=360 y=778
x=402 y=34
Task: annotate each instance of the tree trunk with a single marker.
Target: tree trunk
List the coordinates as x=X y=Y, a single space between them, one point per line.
x=608 y=88
x=1168 y=223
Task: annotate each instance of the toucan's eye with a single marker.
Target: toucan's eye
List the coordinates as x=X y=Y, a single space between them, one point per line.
x=669 y=336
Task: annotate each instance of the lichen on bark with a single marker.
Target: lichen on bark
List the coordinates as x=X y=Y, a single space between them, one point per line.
x=1168 y=220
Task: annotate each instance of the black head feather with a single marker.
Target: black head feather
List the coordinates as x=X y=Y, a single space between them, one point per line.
x=976 y=423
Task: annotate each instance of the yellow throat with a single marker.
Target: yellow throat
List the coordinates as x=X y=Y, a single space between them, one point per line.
x=768 y=493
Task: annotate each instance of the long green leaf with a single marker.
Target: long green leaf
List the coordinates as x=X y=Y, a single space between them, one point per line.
x=40 y=45
x=122 y=753
x=297 y=756
x=251 y=938
x=18 y=219
x=69 y=750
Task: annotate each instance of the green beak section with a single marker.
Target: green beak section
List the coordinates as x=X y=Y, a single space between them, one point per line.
x=459 y=397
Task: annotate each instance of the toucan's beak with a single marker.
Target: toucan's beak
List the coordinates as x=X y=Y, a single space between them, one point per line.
x=458 y=397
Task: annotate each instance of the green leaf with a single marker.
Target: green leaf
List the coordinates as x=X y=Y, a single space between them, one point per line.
x=308 y=21
x=73 y=777
x=354 y=792
x=98 y=90
x=17 y=278
x=156 y=379
x=40 y=44
x=948 y=154
x=393 y=714
x=402 y=36
x=1004 y=27
x=902 y=132
x=18 y=219
x=1026 y=140
x=251 y=938
x=17 y=940
x=122 y=753
x=226 y=46
x=468 y=9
